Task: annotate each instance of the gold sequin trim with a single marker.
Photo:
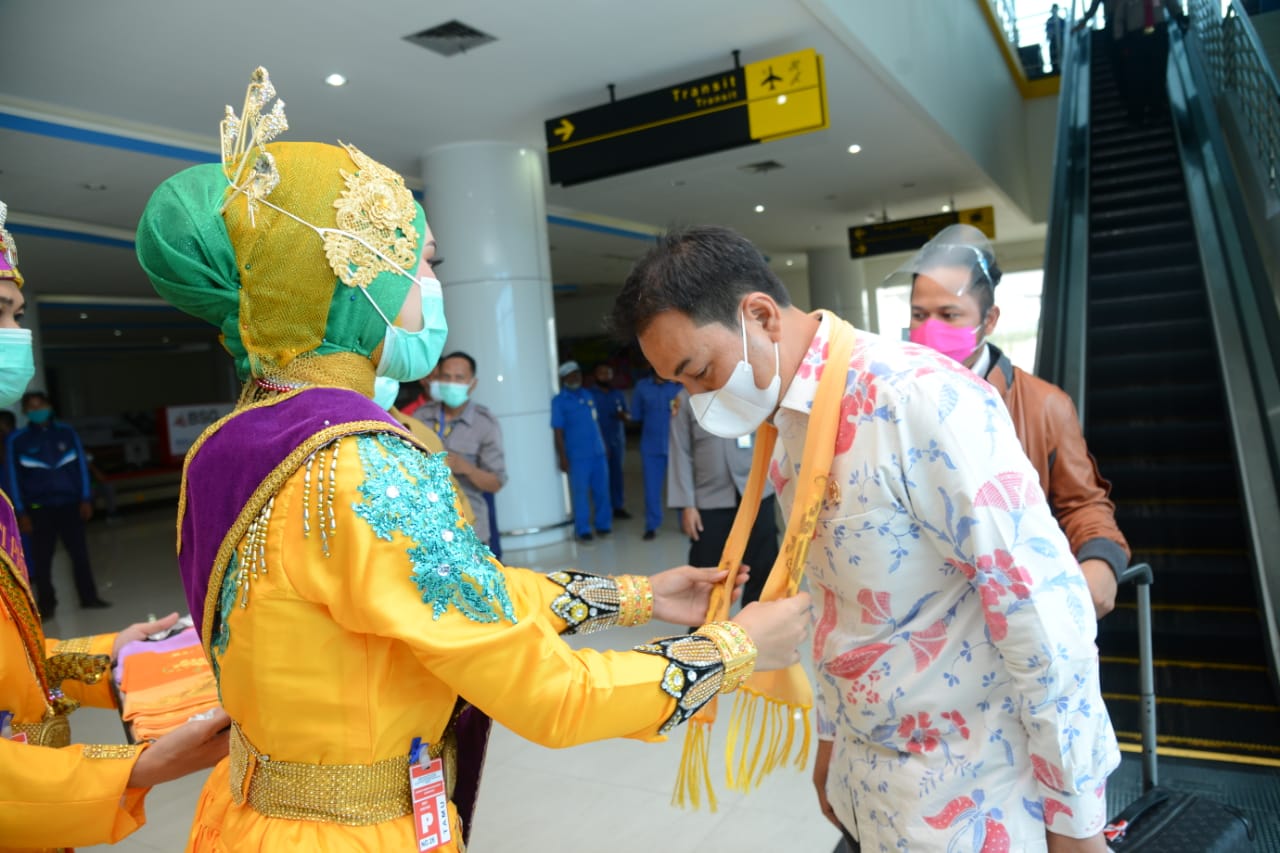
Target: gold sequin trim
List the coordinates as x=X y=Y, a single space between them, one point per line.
x=593 y=602
x=54 y=731
x=82 y=645
x=110 y=750
x=736 y=650
x=694 y=673
x=349 y=794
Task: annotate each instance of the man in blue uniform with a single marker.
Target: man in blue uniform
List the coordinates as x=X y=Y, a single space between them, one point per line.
x=611 y=408
x=49 y=487
x=652 y=406
x=582 y=455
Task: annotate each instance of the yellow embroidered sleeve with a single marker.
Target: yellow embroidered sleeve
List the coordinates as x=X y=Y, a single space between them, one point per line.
x=66 y=797
x=84 y=664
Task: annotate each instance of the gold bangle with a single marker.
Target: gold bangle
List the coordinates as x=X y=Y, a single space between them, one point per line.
x=635 y=600
x=737 y=652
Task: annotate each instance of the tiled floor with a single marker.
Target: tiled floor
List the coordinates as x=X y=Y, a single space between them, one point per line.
x=612 y=796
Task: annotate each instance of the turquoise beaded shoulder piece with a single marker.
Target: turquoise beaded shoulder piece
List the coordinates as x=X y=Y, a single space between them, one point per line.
x=408 y=491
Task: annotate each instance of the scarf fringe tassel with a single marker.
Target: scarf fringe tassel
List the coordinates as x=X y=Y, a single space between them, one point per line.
x=762 y=732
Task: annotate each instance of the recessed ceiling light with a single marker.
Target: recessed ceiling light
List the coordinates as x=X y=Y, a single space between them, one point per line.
x=946 y=208
x=94 y=188
x=855 y=148
x=117 y=333
x=782 y=99
x=790 y=262
x=759 y=208
x=336 y=79
x=84 y=316
x=872 y=217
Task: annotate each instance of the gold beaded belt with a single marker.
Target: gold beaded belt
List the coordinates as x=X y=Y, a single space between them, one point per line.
x=54 y=731
x=351 y=794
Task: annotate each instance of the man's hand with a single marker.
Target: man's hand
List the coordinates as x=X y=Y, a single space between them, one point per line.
x=25 y=525
x=820 y=767
x=691 y=522
x=86 y=510
x=459 y=466
x=1102 y=585
x=1067 y=844
x=681 y=595
x=140 y=631
x=194 y=746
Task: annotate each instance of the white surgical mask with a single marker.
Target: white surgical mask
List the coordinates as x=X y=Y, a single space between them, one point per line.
x=740 y=406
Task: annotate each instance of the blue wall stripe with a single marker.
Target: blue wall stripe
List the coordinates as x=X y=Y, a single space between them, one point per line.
x=64 y=234
x=599 y=229
x=107 y=140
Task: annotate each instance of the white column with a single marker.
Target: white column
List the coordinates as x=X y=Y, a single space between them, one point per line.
x=837 y=283
x=486 y=204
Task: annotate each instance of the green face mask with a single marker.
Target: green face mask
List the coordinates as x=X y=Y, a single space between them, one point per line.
x=39 y=416
x=454 y=394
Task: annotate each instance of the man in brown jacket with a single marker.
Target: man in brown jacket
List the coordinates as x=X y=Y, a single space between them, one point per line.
x=953 y=311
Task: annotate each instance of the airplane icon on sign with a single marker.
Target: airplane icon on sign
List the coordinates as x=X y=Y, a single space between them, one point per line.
x=772 y=80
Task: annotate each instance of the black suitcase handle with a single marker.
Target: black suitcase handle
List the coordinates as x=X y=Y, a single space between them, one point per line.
x=1140 y=575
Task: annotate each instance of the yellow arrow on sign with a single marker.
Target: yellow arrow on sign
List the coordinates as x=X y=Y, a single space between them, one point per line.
x=565 y=130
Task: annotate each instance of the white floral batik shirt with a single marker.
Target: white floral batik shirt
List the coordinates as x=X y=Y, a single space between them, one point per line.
x=954 y=639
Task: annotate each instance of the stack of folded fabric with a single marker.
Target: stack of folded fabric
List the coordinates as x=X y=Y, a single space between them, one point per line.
x=164 y=683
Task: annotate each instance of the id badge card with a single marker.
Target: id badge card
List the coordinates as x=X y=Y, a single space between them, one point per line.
x=744 y=441
x=430 y=805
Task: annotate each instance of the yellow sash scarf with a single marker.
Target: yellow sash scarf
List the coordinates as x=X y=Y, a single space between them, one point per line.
x=770 y=706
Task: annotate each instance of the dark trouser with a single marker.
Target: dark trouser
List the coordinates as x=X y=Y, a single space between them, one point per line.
x=762 y=545
x=614 y=451
x=495 y=541
x=1144 y=64
x=49 y=524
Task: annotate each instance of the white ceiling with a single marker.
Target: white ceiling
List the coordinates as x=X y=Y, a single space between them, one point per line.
x=164 y=70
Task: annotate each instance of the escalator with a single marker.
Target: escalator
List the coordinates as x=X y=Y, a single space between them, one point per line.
x=1158 y=421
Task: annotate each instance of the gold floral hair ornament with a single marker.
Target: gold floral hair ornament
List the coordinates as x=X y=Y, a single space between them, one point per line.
x=8 y=250
x=249 y=168
x=375 y=209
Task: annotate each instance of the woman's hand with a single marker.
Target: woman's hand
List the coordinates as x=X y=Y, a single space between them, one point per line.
x=681 y=595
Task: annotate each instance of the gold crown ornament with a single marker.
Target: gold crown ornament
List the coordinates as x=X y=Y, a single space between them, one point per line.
x=244 y=139
x=8 y=250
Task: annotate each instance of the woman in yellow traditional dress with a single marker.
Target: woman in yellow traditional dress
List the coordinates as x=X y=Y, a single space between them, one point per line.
x=357 y=626
x=52 y=793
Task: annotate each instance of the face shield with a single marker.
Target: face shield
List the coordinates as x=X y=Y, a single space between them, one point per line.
x=951 y=279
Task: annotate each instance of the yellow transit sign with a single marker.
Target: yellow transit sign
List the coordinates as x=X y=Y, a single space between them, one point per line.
x=905 y=235
x=759 y=102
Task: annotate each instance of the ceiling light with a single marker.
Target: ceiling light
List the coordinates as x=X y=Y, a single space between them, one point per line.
x=855 y=148
x=94 y=188
x=873 y=217
x=782 y=99
x=84 y=316
x=164 y=340
x=759 y=208
x=946 y=208
x=790 y=262
x=117 y=333
x=336 y=79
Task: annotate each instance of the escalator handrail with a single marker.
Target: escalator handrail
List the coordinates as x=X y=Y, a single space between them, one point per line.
x=1233 y=273
x=1060 y=355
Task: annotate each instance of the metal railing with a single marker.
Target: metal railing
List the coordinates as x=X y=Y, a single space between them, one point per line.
x=1240 y=73
x=1060 y=354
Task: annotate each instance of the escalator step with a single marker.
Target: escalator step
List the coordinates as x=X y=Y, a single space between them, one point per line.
x=1201 y=438
x=1246 y=726
x=1153 y=235
x=1139 y=335
x=1172 y=211
x=1155 y=193
x=1193 y=635
x=1206 y=579
x=1179 y=305
x=1115 y=149
x=1144 y=162
x=1134 y=480
x=1128 y=136
x=1242 y=683
x=1156 y=279
x=1181 y=526
x=1141 y=258
x=1155 y=400
x=1164 y=176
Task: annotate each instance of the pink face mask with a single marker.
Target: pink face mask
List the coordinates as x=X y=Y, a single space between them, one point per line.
x=956 y=342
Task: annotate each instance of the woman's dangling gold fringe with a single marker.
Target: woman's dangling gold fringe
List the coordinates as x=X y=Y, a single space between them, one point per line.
x=695 y=767
x=761 y=733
